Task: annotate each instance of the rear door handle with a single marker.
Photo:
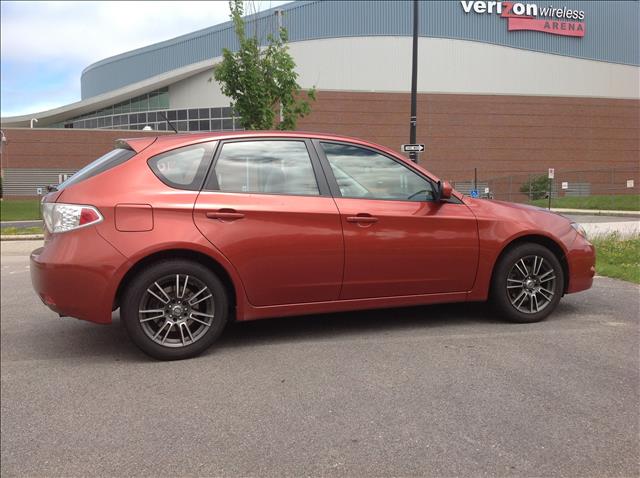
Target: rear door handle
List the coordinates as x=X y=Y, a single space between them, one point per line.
x=362 y=218
x=225 y=214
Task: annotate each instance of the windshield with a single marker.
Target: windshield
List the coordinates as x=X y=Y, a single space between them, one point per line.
x=100 y=165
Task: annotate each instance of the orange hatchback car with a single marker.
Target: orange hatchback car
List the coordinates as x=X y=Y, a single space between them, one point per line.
x=184 y=233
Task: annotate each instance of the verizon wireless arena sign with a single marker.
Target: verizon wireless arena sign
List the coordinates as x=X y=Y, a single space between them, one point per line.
x=531 y=16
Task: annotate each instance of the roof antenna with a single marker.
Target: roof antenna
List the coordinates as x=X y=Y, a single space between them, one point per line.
x=168 y=122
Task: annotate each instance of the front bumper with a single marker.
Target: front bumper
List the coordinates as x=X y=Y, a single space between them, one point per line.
x=581 y=259
x=74 y=274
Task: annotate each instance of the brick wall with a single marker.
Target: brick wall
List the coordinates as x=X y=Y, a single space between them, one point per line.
x=35 y=158
x=42 y=148
x=499 y=135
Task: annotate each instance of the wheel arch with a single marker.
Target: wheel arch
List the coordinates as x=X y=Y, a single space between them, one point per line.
x=186 y=254
x=545 y=241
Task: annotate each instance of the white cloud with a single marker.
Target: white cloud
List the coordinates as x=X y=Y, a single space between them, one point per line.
x=50 y=43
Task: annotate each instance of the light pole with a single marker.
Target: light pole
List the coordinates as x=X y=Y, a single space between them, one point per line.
x=414 y=84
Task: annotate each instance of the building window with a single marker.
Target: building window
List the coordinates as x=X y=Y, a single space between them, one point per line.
x=152 y=109
x=163 y=98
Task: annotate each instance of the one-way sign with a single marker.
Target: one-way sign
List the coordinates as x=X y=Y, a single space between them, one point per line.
x=412 y=148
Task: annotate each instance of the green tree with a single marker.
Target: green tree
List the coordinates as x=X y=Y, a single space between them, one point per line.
x=261 y=81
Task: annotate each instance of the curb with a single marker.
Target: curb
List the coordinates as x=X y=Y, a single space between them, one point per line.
x=21 y=237
x=9 y=223
x=597 y=212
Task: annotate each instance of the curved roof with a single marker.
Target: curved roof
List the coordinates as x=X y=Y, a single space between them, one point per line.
x=611 y=35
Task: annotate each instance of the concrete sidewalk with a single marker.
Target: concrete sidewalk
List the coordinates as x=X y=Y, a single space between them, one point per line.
x=621 y=228
x=34 y=223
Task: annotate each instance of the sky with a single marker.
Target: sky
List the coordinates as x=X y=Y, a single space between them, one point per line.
x=46 y=45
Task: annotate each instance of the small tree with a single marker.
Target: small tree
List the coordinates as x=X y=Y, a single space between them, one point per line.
x=536 y=188
x=260 y=81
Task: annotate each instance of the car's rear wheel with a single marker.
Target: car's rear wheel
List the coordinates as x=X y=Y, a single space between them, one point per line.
x=527 y=283
x=174 y=309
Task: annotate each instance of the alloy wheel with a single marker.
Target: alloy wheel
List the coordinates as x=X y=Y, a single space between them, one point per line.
x=531 y=284
x=176 y=310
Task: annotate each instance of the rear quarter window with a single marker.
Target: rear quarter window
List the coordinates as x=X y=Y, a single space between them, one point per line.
x=183 y=168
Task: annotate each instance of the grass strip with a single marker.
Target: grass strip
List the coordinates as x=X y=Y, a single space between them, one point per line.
x=618 y=258
x=19 y=209
x=622 y=202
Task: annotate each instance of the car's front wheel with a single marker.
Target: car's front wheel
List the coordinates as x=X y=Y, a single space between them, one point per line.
x=527 y=283
x=174 y=309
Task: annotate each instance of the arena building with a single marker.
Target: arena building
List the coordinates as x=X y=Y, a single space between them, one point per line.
x=507 y=88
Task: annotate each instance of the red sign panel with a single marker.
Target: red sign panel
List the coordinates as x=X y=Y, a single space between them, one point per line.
x=556 y=27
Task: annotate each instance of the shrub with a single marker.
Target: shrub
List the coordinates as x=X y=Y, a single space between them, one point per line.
x=536 y=188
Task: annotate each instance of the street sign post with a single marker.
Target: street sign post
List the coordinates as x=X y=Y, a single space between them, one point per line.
x=552 y=173
x=412 y=148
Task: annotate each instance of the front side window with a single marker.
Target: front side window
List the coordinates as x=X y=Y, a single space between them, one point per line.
x=363 y=173
x=183 y=168
x=266 y=167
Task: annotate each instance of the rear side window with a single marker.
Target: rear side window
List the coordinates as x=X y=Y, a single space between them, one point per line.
x=183 y=168
x=266 y=167
x=100 y=165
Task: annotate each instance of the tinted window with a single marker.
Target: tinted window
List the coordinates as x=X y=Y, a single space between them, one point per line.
x=362 y=173
x=267 y=167
x=183 y=168
x=100 y=165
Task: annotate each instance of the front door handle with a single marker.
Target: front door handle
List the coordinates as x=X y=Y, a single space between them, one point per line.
x=362 y=218
x=225 y=214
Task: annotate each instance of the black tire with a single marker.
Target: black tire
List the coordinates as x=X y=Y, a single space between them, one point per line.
x=191 y=320
x=510 y=302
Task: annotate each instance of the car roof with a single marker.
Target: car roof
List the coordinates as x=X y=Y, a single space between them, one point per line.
x=183 y=139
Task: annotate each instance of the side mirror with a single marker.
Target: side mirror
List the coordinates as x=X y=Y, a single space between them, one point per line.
x=444 y=190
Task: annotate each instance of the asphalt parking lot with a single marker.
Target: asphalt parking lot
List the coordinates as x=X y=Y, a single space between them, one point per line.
x=436 y=391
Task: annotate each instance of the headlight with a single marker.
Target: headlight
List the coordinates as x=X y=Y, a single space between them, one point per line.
x=60 y=217
x=579 y=229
